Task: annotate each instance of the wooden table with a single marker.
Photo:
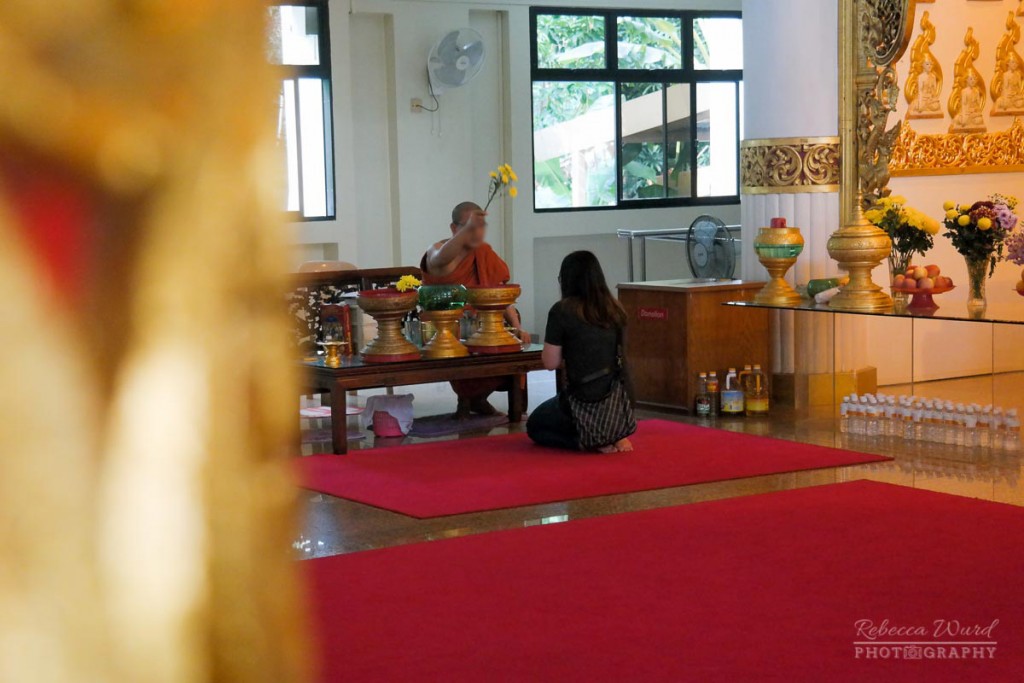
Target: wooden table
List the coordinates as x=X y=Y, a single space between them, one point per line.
x=355 y=374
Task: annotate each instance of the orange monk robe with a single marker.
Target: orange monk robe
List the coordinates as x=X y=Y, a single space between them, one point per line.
x=482 y=266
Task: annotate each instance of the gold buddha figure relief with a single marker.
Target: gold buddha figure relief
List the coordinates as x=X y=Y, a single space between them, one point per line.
x=1008 y=82
x=967 y=100
x=924 y=81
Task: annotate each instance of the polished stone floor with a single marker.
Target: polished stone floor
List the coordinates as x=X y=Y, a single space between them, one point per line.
x=333 y=526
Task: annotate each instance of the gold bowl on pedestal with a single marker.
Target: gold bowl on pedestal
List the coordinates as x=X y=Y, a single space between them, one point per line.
x=490 y=304
x=445 y=342
x=388 y=307
x=777 y=249
x=858 y=249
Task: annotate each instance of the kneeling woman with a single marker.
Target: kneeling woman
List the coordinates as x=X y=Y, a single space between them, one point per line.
x=594 y=412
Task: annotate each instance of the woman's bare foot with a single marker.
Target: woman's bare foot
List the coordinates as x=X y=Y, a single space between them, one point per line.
x=623 y=446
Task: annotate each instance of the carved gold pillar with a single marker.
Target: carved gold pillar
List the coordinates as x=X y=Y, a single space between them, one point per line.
x=873 y=35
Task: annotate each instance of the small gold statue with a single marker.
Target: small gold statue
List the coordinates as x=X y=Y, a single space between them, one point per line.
x=967 y=100
x=1008 y=82
x=924 y=81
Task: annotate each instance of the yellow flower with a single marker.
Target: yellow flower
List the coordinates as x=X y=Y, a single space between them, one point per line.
x=504 y=178
x=984 y=223
x=873 y=215
x=948 y=206
x=513 y=192
x=951 y=214
x=513 y=176
x=931 y=226
x=494 y=174
x=407 y=282
x=898 y=199
x=963 y=221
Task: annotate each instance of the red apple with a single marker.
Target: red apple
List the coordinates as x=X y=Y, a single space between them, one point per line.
x=898 y=280
x=910 y=283
x=933 y=271
x=926 y=283
x=920 y=273
x=1020 y=287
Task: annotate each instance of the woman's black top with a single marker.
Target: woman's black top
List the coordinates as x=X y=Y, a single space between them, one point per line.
x=586 y=349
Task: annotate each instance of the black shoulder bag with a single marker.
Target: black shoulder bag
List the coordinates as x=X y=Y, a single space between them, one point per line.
x=610 y=418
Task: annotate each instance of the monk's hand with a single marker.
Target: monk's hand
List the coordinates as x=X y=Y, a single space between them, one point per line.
x=475 y=218
x=524 y=336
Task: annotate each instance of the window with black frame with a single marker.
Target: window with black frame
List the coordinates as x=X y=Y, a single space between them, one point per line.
x=298 y=41
x=635 y=108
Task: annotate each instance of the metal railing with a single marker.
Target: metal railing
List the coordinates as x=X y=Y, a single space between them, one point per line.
x=661 y=234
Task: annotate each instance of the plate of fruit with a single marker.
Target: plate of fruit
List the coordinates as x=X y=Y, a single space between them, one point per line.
x=922 y=282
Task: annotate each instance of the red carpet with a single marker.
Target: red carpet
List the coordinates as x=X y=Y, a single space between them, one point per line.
x=765 y=587
x=491 y=473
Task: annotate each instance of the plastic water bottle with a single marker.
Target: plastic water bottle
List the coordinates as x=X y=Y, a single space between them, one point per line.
x=1012 y=440
x=844 y=415
x=970 y=428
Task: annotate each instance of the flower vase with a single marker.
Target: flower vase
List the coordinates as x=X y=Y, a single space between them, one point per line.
x=898 y=264
x=977 y=277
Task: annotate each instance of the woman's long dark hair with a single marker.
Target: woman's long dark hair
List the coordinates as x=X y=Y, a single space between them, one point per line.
x=585 y=291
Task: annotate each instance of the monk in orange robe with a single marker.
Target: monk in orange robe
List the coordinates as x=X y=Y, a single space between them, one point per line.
x=466 y=259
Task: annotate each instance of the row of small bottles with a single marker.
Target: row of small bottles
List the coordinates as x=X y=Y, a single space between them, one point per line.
x=743 y=393
x=935 y=421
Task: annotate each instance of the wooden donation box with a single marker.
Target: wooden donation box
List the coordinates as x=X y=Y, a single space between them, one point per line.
x=679 y=328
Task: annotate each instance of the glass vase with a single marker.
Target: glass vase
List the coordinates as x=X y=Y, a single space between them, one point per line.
x=898 y=264
x=977 y=277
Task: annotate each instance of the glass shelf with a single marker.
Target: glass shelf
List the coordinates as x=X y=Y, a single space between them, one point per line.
x=951 y=307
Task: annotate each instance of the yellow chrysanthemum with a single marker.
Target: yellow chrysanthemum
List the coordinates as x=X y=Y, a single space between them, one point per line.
x=948 y=206
x=407 y=282
x=951 y=214
x=984 y=223
x=513 y=192
x=873 y=215
x=898 y=199
x=931 y=226
x=504 y=178
x=494 y=174
x=963 y=221
x=513 y=176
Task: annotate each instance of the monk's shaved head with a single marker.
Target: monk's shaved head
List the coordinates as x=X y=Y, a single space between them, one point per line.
x=462 y=211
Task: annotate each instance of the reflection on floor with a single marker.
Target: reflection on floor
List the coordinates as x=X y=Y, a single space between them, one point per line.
x=332 y=526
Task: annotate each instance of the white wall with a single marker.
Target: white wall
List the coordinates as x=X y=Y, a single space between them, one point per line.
x=399 y=173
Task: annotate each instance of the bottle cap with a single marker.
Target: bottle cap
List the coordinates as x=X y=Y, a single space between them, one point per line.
x=757 y=366
x=703 y=374
x=732 y=369
x=778 y=223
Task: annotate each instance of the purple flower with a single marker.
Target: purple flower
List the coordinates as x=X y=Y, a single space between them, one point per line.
x=1015 y=248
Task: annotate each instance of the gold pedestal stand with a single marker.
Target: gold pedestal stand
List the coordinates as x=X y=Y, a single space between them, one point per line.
x=445 y=342
x=490 y=304
x=333 y=349
x=858 y=249
x=388 y=307
x=777 y=249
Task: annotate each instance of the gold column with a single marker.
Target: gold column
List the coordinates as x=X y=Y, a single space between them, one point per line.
x=873 y=35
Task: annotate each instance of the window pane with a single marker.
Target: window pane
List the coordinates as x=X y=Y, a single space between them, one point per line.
x=287 y=135
x=643 y=141
x=677 y=100
x=717 y=146
x=650 y=43
x=574 y=144
x=569 y=41
x=718 y=43
x=311 y=136
x=294 y=35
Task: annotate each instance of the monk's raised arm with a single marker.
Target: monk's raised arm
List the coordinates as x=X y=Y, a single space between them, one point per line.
x=444 y=256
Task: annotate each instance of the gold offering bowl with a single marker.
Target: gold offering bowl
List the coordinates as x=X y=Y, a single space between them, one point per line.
x=445 y=342
x=333 y=350
x=388 y=307
x=490 y=304
x=858 y=249
x=777 y=249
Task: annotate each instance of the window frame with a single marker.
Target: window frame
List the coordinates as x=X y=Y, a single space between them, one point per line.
x=611 y=73
x=322 y=71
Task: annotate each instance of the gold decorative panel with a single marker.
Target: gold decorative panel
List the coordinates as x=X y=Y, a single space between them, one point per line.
x=924 y=82
x=954 y=153
x=789 y=165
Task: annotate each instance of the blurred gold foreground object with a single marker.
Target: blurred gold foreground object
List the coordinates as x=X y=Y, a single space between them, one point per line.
x=141 y=454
